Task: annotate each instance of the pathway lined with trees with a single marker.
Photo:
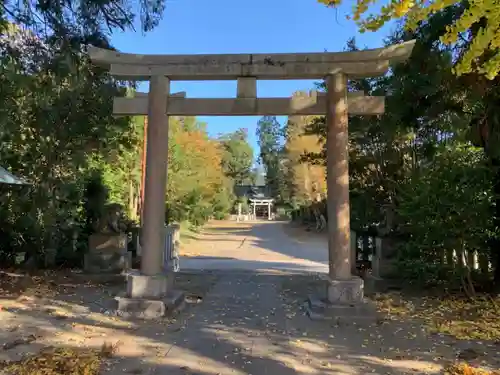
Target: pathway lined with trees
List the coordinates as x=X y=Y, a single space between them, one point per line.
x=425 y=175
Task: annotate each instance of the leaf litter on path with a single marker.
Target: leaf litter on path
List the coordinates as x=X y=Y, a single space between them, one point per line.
x=456 y=316
x=61 y=361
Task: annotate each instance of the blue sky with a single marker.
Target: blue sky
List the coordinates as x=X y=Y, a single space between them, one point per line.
x=255 y=26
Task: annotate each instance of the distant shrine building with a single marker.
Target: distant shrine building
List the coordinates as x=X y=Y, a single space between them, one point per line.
x=259 y=199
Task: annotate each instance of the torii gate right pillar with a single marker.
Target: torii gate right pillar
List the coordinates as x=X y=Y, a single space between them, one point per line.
x=343 y=288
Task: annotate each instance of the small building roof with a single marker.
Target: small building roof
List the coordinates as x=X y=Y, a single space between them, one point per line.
x=252 y=191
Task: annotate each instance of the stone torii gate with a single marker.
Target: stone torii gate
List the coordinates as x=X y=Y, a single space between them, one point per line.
x=151 y=285
x=261 y=202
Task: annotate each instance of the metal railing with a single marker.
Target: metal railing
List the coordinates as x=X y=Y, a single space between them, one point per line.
x=367 y=253
x=171 y=252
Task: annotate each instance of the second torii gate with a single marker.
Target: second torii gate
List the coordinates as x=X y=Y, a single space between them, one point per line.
x=246 y=69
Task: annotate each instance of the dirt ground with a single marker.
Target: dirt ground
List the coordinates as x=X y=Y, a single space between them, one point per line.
x=194 y=243
x=251 y=246
x=242 y=322
x=61 y=309
x=264 y=312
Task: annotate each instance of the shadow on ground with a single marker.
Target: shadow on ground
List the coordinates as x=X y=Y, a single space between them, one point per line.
x=247 y=323
x=275 y=237
x=217 y=263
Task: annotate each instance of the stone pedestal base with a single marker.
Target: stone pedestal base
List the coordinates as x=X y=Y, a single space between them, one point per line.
x=344 y=303
x=141 y=286
x=145 y=308
x=149 y=297
x=345 y=292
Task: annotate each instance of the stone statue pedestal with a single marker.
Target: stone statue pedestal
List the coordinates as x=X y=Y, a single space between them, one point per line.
x=107 y=254
x=384 y=275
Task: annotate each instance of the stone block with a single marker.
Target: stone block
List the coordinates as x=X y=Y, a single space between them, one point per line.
x=107 y=254
x=345 y=292
x=148 y=287
x=96 y=262
x=108 y=242
x=145 y=308
x=374 y=284
x=246 y=88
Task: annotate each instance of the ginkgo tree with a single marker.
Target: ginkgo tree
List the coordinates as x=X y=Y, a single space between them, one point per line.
x=480 y=21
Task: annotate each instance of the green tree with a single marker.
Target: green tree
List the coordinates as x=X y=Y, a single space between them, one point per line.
x=270 y=138
x=81 y=21
x=444 y=213
x=477 y=24
x=237 y=158
x=413 y=173
x=55 y=120
x=197 y=186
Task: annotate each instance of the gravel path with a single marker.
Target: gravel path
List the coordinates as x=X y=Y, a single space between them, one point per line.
x=258 y=246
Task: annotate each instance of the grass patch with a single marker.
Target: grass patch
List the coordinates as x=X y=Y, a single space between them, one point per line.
x=190 y=232
x=60 y=361
x=456 y=316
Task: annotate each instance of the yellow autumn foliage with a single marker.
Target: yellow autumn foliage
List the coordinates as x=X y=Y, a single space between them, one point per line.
x=483 y=53
x=307 y=180
x=465 y=369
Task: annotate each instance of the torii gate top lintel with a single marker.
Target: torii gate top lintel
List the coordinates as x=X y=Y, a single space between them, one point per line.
x=355 y=64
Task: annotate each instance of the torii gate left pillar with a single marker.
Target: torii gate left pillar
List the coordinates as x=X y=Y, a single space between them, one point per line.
x=153 y=233
x=149 y=294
